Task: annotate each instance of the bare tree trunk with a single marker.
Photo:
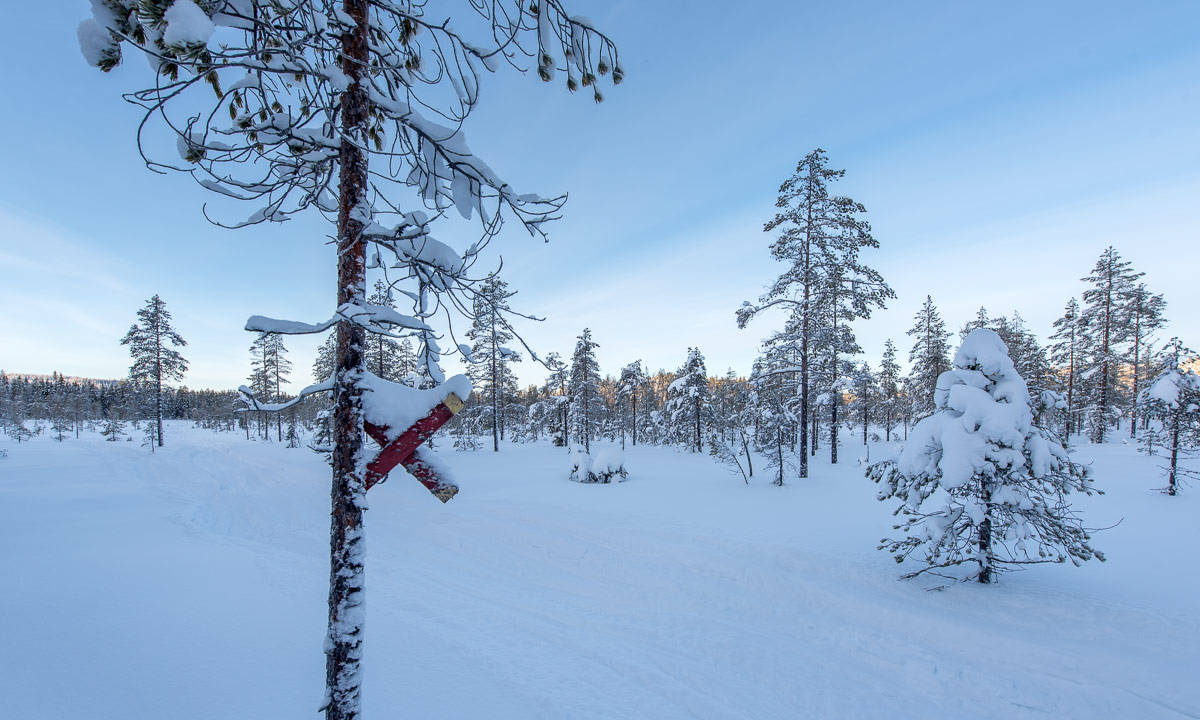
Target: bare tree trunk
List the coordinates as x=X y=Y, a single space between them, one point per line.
x=343 y=652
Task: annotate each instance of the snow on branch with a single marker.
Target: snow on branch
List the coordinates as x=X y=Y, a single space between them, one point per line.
x=375 y=318
x=258 y=323
x=253 y=404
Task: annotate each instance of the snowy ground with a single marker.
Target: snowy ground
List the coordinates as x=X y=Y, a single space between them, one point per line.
x=191 y=584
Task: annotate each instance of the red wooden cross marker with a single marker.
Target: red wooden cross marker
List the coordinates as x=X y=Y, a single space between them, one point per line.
x=403 y=450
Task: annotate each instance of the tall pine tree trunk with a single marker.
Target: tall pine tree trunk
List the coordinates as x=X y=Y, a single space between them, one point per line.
x=158 y=381
x=635 y=419
x=495 y=398
x=804 y=322
x=1137 y=336
x=343 y=653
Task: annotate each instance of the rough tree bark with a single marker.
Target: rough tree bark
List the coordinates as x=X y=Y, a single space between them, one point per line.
x=343 y=647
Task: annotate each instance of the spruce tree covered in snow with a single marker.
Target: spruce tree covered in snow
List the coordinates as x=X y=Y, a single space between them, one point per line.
x=306 y=92
x=1173 y=399
x=930 y=357
x=981 y=487
x=629 y=387
x=1106 y=332
x=689 y=402
x=584 y=389
x=152 y=342
x=1066 y=353
x=557 y=389
x=491 y=372
x=1146 y=313
x=889 y=389
x=384 y=354
x=113 y=427
x=864 y=388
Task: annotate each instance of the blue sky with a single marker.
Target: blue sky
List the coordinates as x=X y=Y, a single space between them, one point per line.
x=997 y=148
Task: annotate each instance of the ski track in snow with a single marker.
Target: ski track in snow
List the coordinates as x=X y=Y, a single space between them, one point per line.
x=192 y=583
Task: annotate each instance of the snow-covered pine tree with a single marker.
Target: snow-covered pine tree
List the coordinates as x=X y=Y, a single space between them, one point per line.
x=776 y=424
x=269 y=369
x=1066 y=354
x=1106 y=331
x=979 y=483
x=629 y=387
x=851 y=292
x=556 y=388
x=981 y=320
x=864 y=387
x=689 y=402
x=114 y=424
x=584 y=390
x=322 y=371
x=1146 y=313
x=1173 y=398
x=491 y=372
x=152 y=342
x=820 y=238
x=728 y=396
x=384 y=356
x=16 y=427
x=930 y=357
x=312 y=89
x=889 y=388
x=279 y=370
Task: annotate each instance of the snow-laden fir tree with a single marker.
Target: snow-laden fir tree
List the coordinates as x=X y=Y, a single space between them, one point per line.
x=983 y=489
x=557 y=410
x=1066 y=354
x=584 y=390
x=889 y=389
x=114 y=424
x=152 y=342
x=283 y=104
x=930 y=357
x=629 y=388
x=491 y=370
x=1107 y=331
x=731 y=444
x=776 y=424
x=1146 y=313
x=773 y=412
x=863 y=385
x=1173 y=400
x=728 y=395
x=384 y=354
x=820 y=239
x=689 y=403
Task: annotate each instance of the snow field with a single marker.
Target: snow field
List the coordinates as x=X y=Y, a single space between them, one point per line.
x=192 y=584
